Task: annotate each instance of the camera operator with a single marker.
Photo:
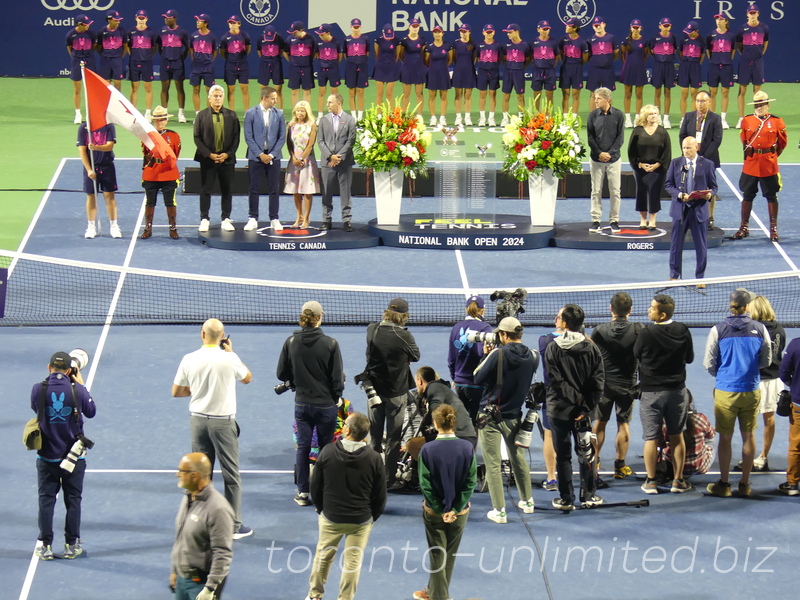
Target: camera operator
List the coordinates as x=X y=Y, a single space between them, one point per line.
x=65 y=401
x=506 y=374
x=437 y=391
x=209 y=376
x=312 y=362
x=390 y=351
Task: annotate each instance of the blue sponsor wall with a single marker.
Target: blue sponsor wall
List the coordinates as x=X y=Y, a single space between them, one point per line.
x=40 y=26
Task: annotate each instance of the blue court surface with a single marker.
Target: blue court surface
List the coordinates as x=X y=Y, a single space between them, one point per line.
x=681 y=544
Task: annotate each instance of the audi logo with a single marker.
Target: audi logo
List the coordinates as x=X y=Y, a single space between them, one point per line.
x=82 y=5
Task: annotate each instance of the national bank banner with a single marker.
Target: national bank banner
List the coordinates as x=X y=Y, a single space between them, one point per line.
x=34 y=45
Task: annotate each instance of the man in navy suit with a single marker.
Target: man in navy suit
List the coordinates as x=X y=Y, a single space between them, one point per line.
x=687 y=174
x=706 y=127
x=335 y=138
x=265 y=135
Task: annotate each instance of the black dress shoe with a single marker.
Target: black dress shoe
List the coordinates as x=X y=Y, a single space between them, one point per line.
x=348 y=226
x=326 y=225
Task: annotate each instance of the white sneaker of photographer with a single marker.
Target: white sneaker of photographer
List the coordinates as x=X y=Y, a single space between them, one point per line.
x=252 y=224
x=204 y=223
x=227 y=225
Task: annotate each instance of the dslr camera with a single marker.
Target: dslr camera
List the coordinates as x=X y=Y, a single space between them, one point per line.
x=373 y=399
x=78 y=450
x=283 y=387
x=489 y=413
x=483 y=337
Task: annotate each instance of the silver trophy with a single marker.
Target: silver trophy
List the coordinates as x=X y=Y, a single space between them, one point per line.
x=450 y=138
x=482 y=150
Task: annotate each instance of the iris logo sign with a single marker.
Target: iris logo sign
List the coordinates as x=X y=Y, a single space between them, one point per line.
x=583 y=10
x=259 y=12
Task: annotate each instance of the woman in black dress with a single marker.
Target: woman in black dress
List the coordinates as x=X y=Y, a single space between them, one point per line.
x=649 y=152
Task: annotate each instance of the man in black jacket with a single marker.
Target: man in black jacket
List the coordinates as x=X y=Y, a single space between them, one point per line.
x=575 y=368
x=390 y=350
x=436 y=392
x=312 y=362
x=349 y=494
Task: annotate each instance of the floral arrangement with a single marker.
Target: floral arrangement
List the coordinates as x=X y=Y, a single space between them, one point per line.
x=392 y=138
x=542 y=139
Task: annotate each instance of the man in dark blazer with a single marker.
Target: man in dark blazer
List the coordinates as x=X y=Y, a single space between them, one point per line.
x=687 y=174
x=335 y=138
x=265 y=135
x=706 y=127
x=216 y=136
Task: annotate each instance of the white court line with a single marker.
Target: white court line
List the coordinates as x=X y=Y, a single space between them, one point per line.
x=462 y=271
x=761 y=225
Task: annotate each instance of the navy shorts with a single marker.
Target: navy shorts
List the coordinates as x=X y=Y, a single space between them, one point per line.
x=111 y=68
x=172 y=69
x=663 y=75
x=141 y=71
x=514 y=79
x=356 y=76
x=601 y=77
x=196 y=78
x=571 y=76
x=689 y=74
x=751 y=71
x=106 y=180
x=720 y=75
x=301 y=77
x=329 y=76
x=544 y=79
x=270 y=71
x=488 y=79
x=75 y=67
x=237 y=72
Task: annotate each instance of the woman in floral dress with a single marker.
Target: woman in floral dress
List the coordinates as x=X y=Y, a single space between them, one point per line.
x=302 y=173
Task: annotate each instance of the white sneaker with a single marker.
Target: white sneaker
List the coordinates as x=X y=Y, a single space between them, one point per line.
x=628 y=122
x=203 y=225
x=442 y=121
x=433 y=122
x=78 y=118
x=468 y=120
x=498 y=516
x=504 y=122
x=148 y=115
x=115 y=231
x=459 y=121
x=667 y=124
x=276 y=225
x=227 y=225
x=491 y=120
x=725 y=124
x=181 y=116
x=252 y=224
x=482 y=120
x=91 y=231
x=526 y=506
x=739 y=123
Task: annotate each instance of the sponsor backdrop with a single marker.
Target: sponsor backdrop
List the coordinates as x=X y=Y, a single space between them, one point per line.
x=40 y=26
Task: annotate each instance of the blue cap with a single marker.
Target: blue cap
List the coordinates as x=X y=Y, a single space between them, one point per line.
x=573 y=22
x=511 y=27
x=83 y=20
x=598 y=20
x=141 y=13
x=112 y=14
x=355 y=23
x=270 y=32
x=297 y=26
x=203 y=17
x=691 y=27
x=753 y=8
x=665 y=21
x=477 y=300
x=489 y=27
x=543 y=25
x=414 y=21
x=324 y=28
x=636 y=23
x=234 y=19
x=465 y=27
x=171 y=14
x=388 y=31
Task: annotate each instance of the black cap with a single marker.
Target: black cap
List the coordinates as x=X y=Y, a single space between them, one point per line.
x=398 y=305
x=61 y=361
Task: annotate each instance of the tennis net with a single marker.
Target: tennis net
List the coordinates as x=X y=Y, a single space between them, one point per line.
x=46 y=291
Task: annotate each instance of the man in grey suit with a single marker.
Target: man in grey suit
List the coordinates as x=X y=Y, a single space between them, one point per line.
x=335 y=138
x=265 y=134
x=706 y=127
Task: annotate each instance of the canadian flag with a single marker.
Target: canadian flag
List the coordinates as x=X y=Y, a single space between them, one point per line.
x=106 y=104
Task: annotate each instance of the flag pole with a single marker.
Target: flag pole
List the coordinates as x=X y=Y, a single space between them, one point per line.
x=91 y=152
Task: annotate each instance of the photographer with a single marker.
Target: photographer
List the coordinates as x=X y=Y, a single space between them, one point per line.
x=506 y=374
x=390 y=350
x=311 y=363
x=65 y=401
x=437 y=391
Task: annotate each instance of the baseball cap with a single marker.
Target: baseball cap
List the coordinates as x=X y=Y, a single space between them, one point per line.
x=112 y=14
x=511 y=27
x=691 y=27
x=741 y=297
x=509 y=325
x=61 y=361
x=202 y=17
x=270 y=33
x=388 y=31
x=543 y=25
x=314 y=306
x=437 y=28
x=83 y=20
x=414 y=21
x=598 y=20
x=234 y=19
x=171 y=14
x=465 y=27
x=355 y=23
x=477 y=300
x=636 y=23
x=665 y=21
x=489 y=27
x=398 y=305
x=324 y=28
x=753 y=8
x=296 y=26
x=573 y=22
x=141 y=13
x=721 y=16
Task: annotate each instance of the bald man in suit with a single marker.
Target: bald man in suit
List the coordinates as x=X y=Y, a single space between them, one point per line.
x=335 y=138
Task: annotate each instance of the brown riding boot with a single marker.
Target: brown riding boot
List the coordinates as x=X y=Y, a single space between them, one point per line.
x=773 y=221
x=148 y=222
x=744 y=228
x=173 y=229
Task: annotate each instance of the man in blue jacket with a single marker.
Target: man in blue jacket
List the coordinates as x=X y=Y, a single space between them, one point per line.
x=735 y=351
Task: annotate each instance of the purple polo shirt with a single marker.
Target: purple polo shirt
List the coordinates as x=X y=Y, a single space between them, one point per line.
x=301 y=50
x=601 y=50
x=356 y=49
x=663 y=48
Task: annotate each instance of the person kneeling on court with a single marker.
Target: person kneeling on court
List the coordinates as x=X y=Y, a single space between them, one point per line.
x=161 y=175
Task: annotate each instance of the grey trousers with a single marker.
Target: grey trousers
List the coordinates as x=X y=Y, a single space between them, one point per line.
x=491 y=437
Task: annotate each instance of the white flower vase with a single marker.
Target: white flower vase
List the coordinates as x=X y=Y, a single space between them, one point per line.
x=543 y=189
x=388 y=195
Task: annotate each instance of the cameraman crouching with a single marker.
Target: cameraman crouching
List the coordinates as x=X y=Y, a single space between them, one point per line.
x=311 y=363
x=506 y=374
x=64 y=401
x=437 y=391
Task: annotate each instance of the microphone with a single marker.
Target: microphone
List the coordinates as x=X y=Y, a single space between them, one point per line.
x=685 y=168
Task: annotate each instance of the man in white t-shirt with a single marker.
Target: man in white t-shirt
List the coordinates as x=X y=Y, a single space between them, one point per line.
x=209 y=376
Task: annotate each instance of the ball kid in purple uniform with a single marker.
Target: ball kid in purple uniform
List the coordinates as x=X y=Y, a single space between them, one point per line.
x=438 y=56
x=487 y=63
x=356 y=76
x=517 y=55
x=80 y=47
x=299 y=53
x=603 y=51
x=234 y=47
x=663 y=47
x=99 y=168
x=464 y=73
x=692 y=50
x=720 y=48
x=173 y=44
x=111 y=46
x=752 y=40
x=270 y=46
x=329 y=54
x=574 y=53
x=545 y=58
x=413 y=71
x=634 y=75
x=142 y=45
x=203 y=51
x=385 y=71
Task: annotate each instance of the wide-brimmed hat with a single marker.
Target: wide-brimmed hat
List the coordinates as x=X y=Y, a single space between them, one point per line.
x=761 y=97
x=159 y=112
